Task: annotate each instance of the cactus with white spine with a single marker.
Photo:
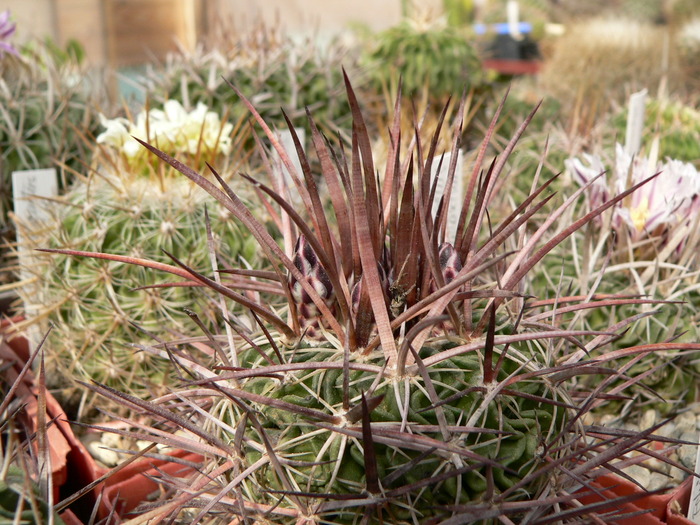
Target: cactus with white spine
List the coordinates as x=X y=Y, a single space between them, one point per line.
x=128 y=206
x=394 y=376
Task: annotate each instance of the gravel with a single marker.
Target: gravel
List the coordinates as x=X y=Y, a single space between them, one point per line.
x=660 y=474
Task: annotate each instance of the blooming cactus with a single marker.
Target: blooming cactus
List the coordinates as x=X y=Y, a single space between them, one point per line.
x=405 y=380
x=132 y=208
x=670 y=199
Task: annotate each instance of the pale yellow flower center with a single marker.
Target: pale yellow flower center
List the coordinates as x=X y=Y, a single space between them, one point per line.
x=640 y=214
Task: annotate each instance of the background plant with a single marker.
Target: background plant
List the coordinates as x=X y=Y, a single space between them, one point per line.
x=644 y=246
x=48 y=104
x=604 y=60
x=388 y=372
x=673 y=123
x=282 y=72
x=432 y=60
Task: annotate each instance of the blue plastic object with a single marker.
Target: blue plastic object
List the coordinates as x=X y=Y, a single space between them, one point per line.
x=502 y=28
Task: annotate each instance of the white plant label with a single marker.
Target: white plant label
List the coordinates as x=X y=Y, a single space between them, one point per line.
x=30 y=211
x=26 y=185
x=694 y=506
x=454 y=206
x=635 y=122
x=285 y=138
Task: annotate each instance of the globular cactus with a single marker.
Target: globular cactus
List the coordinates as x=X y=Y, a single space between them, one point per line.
x=263 y=60
x=429 y=58
x=657 y=221
x=127 y=206
x=675 y=125
x=646 y=246
x=386 y=373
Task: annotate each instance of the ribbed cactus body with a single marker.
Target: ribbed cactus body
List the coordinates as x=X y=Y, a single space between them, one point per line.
x=45 y=118
x=96 y=307
x=510 y=429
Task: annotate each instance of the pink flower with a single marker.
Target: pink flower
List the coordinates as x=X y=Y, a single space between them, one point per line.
x=663 y=202
x=7 y=29
x=670 y=199
x=586 y=171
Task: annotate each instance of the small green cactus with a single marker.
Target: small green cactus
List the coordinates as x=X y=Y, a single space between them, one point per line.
x=427 y=57
x=280 y=71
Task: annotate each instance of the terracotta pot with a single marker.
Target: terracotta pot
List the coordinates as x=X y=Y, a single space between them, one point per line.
x=678 y=504
x=128 y=488
x=646 y=509
x=72 y=466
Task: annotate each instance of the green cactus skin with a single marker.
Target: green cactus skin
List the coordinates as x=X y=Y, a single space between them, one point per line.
x=13 y=487
x=512 y=430
x=438 y=60
x=92 y=305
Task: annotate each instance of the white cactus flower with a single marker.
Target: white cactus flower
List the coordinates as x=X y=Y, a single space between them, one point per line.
x=672 y=198
x=116 y=132
x=172 y=129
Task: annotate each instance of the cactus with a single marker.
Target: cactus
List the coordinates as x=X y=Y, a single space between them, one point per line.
x=430 y=59
x=657 y=221
x=672 y=122
x=388 y=374
x=282 y=73
x=47 y=108
x=646 y=247
x=129 y=207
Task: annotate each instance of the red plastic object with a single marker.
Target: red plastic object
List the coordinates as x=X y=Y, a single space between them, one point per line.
x=72 y=466
x=513 y=67
x=669 y=508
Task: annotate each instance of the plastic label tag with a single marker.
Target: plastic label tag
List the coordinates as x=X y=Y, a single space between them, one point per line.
x=694 y=505
x=285 y=138
x=454 y=206
x=635 y=122
x=28 y=188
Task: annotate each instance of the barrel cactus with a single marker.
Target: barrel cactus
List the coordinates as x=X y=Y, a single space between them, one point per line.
x=387 y=373
x=280 y=70
x=129 y=206
x=431 y=60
